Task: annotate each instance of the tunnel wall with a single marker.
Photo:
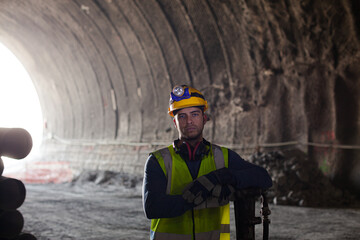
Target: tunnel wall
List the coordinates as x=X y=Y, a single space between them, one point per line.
x=272 y=72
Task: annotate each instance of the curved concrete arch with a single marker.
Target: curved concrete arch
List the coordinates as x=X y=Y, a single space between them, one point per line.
x=271 y=71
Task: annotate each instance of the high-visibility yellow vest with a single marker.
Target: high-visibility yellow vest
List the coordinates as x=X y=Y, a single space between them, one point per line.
x=203 y=224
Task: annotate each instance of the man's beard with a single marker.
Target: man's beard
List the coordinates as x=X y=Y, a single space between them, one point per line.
x=192 y=138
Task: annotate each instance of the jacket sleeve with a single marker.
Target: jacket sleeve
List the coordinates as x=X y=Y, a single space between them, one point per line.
x=247 y=174
x=156 y=203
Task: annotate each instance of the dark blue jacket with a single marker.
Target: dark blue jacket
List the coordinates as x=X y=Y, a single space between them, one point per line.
x=158 y=204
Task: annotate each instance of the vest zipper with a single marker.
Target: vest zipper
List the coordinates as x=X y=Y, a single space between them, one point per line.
x=193 y=220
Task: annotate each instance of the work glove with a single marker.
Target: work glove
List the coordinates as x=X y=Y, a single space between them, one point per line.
x=220 y=196
x=198 y=190
x=223 y=176
x=208 y=185
x=227 y=194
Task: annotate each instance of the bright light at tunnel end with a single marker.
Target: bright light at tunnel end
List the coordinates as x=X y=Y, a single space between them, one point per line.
x=19 y=103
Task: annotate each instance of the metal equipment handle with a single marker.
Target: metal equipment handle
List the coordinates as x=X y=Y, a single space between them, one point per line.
x=245 y=219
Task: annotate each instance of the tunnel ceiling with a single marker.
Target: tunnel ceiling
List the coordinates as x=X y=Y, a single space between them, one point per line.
x=272 y=71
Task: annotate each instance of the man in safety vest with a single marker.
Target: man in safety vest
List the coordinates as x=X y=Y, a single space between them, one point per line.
x=188 y=185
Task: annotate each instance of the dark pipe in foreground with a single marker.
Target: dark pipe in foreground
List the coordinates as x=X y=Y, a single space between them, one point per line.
x=12 y=193
x=15 y=142
x=1 y=166
x=11 y=223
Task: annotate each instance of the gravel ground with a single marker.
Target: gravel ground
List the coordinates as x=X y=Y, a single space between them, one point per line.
x=91 y=211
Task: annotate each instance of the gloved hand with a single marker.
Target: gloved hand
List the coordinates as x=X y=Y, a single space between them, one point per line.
x=221 y=195
x=227 y=194
x=209 y=185
x=198 y=190
x=224 y=177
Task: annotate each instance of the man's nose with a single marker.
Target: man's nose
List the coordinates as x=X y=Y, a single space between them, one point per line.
x=189 y=119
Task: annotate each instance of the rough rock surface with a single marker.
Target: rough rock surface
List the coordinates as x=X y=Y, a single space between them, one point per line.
x=298 y=181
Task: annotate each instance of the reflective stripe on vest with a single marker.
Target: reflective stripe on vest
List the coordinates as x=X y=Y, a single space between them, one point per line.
x=165 y=153
x=210 y=223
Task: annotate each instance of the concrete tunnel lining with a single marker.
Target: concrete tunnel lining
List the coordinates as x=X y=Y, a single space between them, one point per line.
x=103 y=71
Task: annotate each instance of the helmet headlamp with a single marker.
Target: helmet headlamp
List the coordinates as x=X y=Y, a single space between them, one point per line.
x=183 y=96
x=178 y=91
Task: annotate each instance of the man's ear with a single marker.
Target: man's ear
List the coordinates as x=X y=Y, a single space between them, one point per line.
x=205 y=119
x=174 y=122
